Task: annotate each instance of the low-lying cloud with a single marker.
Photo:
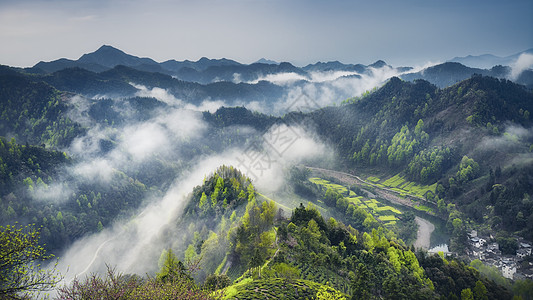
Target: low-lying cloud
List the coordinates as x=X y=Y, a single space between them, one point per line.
x=524 y=62
x=134 y=245
x=158 y=93
x=513 y=137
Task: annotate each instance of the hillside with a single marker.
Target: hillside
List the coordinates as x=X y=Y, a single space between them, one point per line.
x=450 y=73
x=35 y=112
x=459 y=137
x=256 y=252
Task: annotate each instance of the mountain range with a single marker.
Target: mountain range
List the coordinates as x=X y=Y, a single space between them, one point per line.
x=207 y=71
x=487 y=61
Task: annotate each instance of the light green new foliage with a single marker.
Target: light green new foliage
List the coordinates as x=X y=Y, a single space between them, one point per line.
x=326 y=293
x=20 y=257
x=203 y=202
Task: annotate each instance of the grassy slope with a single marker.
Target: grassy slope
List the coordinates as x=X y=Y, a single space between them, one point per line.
x=279 y=288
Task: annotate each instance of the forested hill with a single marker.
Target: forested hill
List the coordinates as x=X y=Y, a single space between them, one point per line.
x=471 y=141
x=34 y=111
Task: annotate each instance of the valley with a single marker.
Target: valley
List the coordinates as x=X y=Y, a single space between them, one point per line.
x=425 y=227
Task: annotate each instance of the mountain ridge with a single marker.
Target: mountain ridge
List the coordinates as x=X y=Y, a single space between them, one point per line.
x=487 y=61
x=205 y=70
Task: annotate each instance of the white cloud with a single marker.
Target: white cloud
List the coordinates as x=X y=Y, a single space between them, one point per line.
x=513 y=136
x=55 y=192
x=524 y=62
x=134 y=246
x=280 y=78
x=145 y=139
x=95 y=170
x=206 y=105
x=157 y=93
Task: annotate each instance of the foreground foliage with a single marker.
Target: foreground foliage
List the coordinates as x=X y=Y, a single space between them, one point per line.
x=172 y=282
x=21 y=273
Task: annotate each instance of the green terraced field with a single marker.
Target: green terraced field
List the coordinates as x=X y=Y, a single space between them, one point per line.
x=399 y=184
x=382 y=212
x=337 y=187
x=387 y=218
x=319 y=181
x=388 y=208
x=419 y=190
x=423 y=208
x=371 y=204
x=373 y=179
x=394 y=181
x=355 y=200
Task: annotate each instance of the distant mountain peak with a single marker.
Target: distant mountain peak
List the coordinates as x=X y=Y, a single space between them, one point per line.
x=110 y=57
x=103 y=50
x=266 y=61
x=108 y=47
x=378 y=64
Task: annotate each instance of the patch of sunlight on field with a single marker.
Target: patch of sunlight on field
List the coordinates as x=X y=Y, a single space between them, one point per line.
x=371 y=204
x=394 y=181
x=320 y=181
x=423 y=208
x=337 y=187
x=355 y=200
x=373 y=179
x=385 y=213
x=388 y=208
x=398 y=184
x=387 y=218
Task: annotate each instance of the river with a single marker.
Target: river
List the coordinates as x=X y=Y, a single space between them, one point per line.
x=423 y=235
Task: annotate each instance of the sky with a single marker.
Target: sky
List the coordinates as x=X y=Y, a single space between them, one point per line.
x=402 y=33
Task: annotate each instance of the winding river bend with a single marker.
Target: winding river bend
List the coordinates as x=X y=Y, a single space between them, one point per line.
x=428 y=235
x=423 y=236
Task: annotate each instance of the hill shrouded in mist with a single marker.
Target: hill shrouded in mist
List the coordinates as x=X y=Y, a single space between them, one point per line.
x=269 y=178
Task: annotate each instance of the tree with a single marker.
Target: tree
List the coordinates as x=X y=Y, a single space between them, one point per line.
x=467 y=294
x=112 y=286
x=20 y=271
x=362 y=284
x=286 y=271
x=214 y=282
x=480 y=291
x=203 y=202
x=508 y=245
x=172 y=269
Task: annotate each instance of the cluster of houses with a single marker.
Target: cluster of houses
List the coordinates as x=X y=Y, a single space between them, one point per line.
x=511 y=266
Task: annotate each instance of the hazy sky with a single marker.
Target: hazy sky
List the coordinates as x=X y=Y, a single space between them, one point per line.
x=404 y=32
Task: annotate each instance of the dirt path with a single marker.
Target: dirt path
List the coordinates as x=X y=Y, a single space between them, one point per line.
x=423 y=235
x=425 y=227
